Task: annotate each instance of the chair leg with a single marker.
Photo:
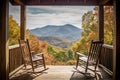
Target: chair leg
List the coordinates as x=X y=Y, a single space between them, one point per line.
x=77 y=62
x=25 y=66
x=44 y=64
x=95 y=70
x=32 y=67
x=86 y=67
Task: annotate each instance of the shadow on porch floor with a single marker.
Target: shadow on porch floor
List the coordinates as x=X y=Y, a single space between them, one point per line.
x=57 y=73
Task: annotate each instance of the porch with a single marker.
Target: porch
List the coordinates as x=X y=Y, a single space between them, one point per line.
x=58 y=72
x=110 y=57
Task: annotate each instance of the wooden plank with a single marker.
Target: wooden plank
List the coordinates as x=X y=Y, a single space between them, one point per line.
x=106 y=58
x=16 y=70
x=61 y=2
x=17 y=2
x=4 y=56
x=104 y=1
x=23 y=22
x=106 y=69
x=56 y=2
x=15 y=58
x=116 y=55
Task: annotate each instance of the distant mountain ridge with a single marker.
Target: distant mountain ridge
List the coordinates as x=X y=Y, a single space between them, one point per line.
x=68 y=32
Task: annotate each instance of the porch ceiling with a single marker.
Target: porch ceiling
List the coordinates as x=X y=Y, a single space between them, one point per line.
x=62 y=2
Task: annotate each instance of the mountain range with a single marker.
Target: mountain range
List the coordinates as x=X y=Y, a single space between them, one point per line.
x=58 y=34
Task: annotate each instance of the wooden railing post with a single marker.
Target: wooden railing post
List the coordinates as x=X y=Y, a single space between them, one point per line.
x=101 y=23
x=23 y=22
x=4 y=55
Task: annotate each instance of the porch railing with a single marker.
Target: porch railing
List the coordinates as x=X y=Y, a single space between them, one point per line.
x=106 y=59
x=15 y=57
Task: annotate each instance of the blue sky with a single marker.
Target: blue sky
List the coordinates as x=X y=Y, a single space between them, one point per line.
x=40 y=16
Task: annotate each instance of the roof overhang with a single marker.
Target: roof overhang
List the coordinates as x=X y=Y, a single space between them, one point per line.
x=62 y=2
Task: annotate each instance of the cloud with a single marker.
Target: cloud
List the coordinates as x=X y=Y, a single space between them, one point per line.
x=15 y=12
x=58 y=9
x=39 y=16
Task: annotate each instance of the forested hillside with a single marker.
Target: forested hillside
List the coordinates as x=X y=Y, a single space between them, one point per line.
x=67 y=31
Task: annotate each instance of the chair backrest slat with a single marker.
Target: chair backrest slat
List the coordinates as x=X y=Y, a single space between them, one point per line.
x=95 y=50
x=25 y=51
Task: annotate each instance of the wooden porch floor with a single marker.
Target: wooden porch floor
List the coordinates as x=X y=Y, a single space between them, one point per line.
x=57 y=73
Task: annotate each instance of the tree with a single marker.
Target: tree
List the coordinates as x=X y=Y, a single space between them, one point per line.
x=14 y=31
x=108 y=25
x=90 y=29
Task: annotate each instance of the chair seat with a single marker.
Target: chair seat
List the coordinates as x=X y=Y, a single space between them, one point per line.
x=35 y=58
x=85 y=60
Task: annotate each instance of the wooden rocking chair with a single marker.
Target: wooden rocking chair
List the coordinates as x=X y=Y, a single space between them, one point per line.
x=28 y=56
x=92 y=59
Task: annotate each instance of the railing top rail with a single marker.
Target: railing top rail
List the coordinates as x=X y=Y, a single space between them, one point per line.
x=108 y=46
x=14 y=46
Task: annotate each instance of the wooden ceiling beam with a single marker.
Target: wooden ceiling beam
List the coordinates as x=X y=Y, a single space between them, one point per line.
x=62 y=2
x=103 y=2
x=17 y=2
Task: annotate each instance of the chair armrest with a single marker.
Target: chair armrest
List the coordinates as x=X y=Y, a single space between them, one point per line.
x=39 y=54
x=79 y=54
x=33 y=53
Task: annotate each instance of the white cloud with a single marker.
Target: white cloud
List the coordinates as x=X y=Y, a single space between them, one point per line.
x=39 y=16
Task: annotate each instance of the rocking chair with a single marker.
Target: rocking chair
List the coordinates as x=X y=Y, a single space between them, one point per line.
x=92 y=59
x=28 y=56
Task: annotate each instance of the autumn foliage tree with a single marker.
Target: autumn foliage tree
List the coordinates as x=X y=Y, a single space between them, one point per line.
x=90 y=29
x=108 y=25
x=14 y=31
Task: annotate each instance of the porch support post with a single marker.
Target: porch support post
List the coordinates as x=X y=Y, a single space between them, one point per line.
x=116 y=45
x=101 y=23
x=4 y=54
x=23 y=22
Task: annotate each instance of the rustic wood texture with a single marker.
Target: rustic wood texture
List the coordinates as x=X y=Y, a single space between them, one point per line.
x=61 y=2
x=23 y=22
x=116 y=58
x=93 y=57
x=15 y=57
x=106 y=58
x=101 y=23
x=58 y=73
x=29 y=57
x=4 y=56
